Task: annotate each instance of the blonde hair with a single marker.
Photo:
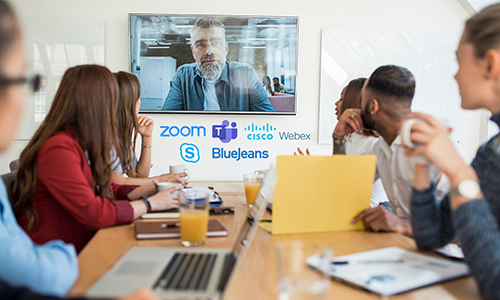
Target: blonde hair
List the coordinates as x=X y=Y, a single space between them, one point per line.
x=483 y=30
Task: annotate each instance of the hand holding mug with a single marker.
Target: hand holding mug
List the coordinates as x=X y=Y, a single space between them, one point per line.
x=165 y=199
x=176 y=169
x=350 y=121
x=428 y=138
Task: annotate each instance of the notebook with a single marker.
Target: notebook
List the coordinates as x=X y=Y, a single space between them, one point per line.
x=321 y=193
x=390 y=271
x=162 y=230
x=174 y=213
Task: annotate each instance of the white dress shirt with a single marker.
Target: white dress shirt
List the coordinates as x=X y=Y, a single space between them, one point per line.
x=397 y=171
x=358 y=144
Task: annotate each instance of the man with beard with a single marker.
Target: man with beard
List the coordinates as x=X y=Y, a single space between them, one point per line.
x=386 y=102
x=211 y=83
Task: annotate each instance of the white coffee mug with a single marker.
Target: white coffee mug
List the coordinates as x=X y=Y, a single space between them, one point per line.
x=163 y=186
x=405 y=136
x=179 y=169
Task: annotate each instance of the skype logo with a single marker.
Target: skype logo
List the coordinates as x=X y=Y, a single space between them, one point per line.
x=190 y=153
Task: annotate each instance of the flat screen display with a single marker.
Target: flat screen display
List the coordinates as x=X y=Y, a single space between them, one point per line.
x=215 y=64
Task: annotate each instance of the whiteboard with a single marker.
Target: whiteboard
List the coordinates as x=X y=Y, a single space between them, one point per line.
x=53 y=45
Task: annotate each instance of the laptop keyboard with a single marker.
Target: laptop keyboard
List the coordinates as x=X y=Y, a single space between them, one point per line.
x=187 y=271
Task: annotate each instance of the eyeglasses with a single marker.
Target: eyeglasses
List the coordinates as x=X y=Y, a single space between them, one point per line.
x=34 y=82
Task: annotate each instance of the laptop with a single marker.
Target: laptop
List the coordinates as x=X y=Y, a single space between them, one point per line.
x=182 y=273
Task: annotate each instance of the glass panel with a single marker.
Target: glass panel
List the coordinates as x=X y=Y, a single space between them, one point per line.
x=53 y=45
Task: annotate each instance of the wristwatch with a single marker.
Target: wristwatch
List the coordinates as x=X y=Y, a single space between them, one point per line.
x=467 y=188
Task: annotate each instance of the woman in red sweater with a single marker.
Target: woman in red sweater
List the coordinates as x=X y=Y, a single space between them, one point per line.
x=63 y=185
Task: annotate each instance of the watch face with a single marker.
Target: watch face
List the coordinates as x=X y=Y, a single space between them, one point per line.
x=469 y=188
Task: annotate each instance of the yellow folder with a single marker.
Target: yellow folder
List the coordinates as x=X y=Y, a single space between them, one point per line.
x=321 y=193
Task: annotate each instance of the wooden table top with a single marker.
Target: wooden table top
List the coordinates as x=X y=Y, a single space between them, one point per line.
x=256 y=276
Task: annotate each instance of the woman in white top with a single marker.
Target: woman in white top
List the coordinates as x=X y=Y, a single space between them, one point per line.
x=357 y=144
x=129 y=126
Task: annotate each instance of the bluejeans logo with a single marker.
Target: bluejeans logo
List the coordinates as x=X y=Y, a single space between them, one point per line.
x=224 y=132
x=190 y=153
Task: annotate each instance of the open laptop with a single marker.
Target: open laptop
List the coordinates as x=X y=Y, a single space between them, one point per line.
x=181 y=273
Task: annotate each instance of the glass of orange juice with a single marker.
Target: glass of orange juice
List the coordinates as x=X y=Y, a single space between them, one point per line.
x=193 y=218
x=252 y=183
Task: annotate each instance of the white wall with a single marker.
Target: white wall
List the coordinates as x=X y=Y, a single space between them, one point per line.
x=421 y=15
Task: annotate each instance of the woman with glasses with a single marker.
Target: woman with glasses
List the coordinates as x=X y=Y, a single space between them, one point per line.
x=51 y=268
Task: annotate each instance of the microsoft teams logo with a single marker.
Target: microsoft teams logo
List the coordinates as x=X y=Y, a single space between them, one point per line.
x=263 y=132
x=224 y=132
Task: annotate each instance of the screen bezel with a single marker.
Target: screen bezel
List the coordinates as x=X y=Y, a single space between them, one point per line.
x=197 y=112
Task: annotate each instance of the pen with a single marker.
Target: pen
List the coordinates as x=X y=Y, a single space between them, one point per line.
x=375 y=261
x=169 y=225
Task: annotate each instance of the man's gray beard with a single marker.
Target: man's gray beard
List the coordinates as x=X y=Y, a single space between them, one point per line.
x=211 y=72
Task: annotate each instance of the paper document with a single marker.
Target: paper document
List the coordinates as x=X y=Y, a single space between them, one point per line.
x=393 y=270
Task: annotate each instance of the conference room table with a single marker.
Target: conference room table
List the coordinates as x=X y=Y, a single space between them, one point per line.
x=256 y=277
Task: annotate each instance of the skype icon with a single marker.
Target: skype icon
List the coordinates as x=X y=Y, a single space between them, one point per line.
x=190 y=153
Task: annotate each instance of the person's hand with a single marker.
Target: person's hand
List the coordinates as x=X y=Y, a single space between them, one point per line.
x=302 y=153
x=165 y=199
x=350 y=121
x=173 y=178
x=143 y=294
x=433 y=142
x=381 y=219
x=146 y=126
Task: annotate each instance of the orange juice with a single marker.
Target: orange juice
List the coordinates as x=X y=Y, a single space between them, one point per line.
x=251 y=191
x=194 y=225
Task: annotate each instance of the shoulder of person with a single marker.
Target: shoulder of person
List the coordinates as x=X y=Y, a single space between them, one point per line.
x=239 y=66
x=60 y=139
x=187 y=68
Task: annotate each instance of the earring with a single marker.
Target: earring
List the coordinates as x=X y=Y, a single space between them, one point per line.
x=372 y=112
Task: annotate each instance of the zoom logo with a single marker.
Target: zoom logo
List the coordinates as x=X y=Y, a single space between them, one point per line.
x=190 y=153
x=224 y=132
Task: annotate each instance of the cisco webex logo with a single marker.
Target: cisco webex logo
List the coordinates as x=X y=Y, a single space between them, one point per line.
x=263 y=132
x=224 y=132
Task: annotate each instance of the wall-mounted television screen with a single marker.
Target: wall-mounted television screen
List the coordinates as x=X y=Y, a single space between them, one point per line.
x=215 y=64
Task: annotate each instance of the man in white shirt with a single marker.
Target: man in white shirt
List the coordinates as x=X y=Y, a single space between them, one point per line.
x=386 y=102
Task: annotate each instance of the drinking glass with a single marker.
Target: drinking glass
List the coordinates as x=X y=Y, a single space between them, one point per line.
x=252 y=183
x=296 y=279
x=193 y=217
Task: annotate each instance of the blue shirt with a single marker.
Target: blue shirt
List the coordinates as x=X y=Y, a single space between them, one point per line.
x=49 y=269
x=238 y=89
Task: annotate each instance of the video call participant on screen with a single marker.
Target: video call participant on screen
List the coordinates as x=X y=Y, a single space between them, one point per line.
x=211 y=83
x=386 y=101
x=278 y=87
x=470 y=213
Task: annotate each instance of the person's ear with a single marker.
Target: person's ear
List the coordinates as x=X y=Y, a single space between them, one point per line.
x=227 y=47
x=375 y=107
x=192 y=52
x=492 y=59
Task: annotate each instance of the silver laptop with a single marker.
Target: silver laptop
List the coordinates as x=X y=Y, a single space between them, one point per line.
x=182 y=273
